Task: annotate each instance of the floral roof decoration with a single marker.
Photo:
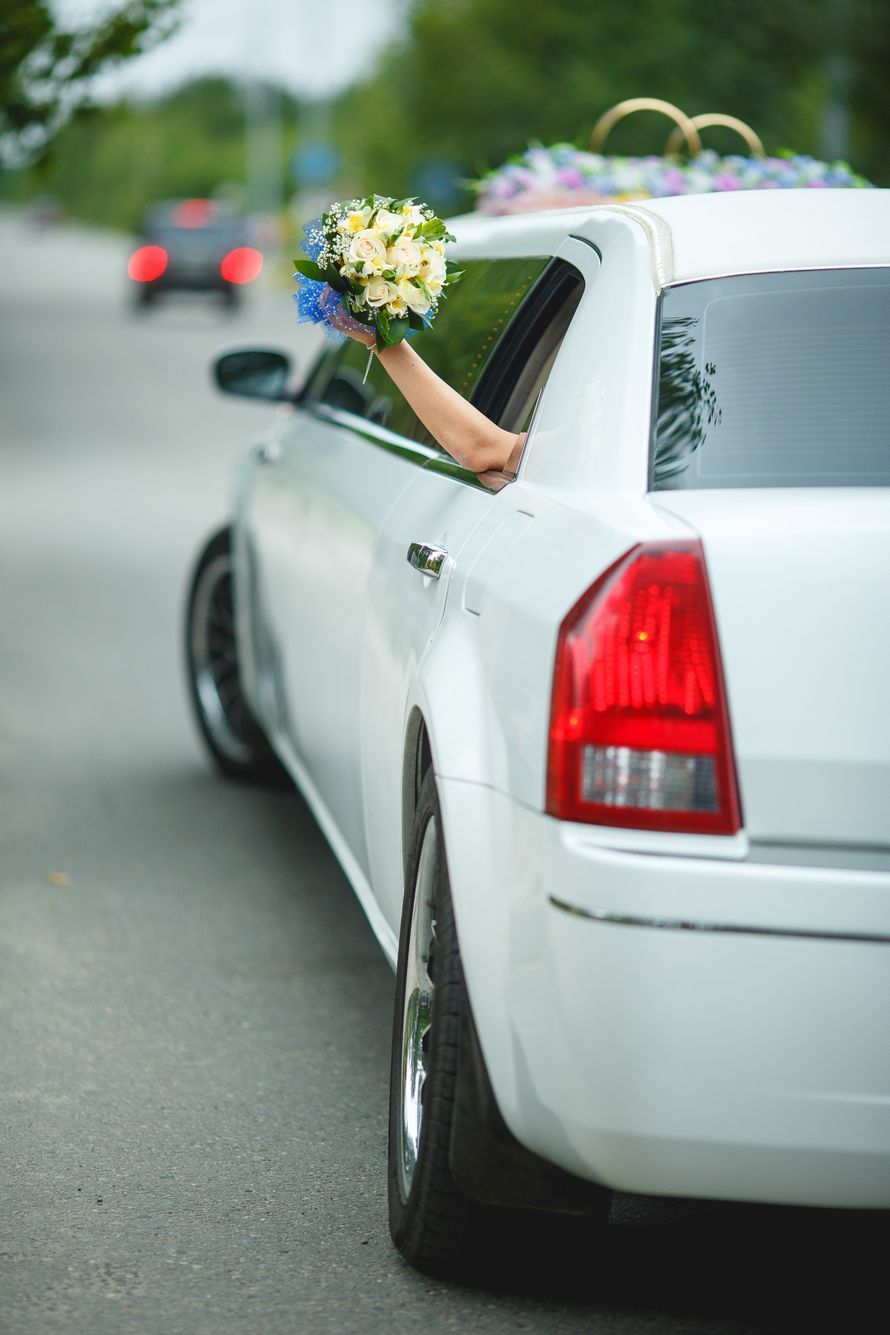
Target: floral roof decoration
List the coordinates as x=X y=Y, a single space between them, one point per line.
x=563 y=176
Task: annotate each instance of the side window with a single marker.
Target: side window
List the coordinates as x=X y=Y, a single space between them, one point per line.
x=457 y=347
x=494 y=341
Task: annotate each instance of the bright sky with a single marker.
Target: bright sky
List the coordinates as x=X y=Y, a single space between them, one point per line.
x=282 y=40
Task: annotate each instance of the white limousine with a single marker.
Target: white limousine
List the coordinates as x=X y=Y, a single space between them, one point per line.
x=603 y=745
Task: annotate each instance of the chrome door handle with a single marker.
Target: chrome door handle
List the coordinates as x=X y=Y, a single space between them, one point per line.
x=428 y=560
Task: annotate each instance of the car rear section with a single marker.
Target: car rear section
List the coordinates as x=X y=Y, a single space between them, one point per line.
x=676 y=923
x=193 y=245
x=671 y=1010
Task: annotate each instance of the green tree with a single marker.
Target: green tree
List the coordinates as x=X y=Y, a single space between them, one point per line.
x=45 y=69
x=108 y=166
x=472 y=81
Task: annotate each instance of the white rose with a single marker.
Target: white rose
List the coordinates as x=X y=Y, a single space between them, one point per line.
x=416 y=300
x=405 y=254
x=379 y=291
x=388 y=222
x=433 y=266
x=367 y=246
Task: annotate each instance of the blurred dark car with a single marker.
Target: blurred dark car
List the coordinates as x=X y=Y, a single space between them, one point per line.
x=193 y=245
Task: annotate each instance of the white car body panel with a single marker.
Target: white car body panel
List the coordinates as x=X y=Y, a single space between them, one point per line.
x=685 y=1014
x=799 y=578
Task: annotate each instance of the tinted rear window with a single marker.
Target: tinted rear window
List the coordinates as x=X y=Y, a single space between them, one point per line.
x=774 y=380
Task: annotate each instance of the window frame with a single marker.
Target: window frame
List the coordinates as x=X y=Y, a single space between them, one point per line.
x=535 y=313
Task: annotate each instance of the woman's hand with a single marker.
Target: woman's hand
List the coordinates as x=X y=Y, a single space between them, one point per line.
x=340 y=319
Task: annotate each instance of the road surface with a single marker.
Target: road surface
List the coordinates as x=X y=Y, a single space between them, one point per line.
x=195 y=1016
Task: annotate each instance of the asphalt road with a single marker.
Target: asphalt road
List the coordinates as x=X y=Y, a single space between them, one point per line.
x=194 y=1024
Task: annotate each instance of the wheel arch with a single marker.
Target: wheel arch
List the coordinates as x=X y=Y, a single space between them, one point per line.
x=417 y=758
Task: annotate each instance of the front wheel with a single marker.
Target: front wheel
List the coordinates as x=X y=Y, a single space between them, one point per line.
x=232 y=735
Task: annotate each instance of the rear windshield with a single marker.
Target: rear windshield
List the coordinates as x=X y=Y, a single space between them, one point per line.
x=774 y=380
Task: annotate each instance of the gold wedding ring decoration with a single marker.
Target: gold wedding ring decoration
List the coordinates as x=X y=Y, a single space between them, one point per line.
x=685 y=127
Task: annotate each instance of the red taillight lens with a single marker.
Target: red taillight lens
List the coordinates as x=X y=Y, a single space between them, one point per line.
x=242 y=265
x=639 y=727
x=147 y=264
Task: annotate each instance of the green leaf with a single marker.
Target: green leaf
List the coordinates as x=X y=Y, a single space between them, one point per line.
x=397 y=330
x=415 y=321
x=309 y=269
x=434 y=230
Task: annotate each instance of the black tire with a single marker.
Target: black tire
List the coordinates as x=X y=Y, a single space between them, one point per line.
x=430 y=1217
x=434 y=1223
x=231 y=733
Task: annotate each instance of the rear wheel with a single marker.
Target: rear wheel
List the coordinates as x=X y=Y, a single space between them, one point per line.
x=429 y=1215
x=434 y=1126
x=233 y=736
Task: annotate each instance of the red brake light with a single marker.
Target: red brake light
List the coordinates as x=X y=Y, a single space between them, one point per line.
x=147 y=263
x=242 y=265
x=639 y=727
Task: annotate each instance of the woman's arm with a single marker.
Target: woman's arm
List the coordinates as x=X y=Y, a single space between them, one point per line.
x=465 y=433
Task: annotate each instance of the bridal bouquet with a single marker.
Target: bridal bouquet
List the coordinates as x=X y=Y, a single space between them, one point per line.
x=381 y=261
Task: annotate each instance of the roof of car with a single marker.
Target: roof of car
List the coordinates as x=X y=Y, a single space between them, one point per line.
x=698 y=236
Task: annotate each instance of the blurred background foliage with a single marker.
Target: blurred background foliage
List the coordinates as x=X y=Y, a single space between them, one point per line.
x=46 y=66
x=470 y=82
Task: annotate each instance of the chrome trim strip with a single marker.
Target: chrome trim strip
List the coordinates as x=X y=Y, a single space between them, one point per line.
x=679 y=925
x=411 y=450
x=423 y=456
x=782 y=268
x=661 y=242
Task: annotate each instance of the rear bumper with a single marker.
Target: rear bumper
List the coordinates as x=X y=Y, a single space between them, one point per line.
x=203 y=280
x=677 y=1025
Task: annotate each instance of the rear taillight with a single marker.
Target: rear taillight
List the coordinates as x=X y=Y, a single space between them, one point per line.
x=242 y=265
x=639 y=726
x=147 y=263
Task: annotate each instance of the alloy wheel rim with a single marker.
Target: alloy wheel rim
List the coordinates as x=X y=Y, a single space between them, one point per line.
x=214 y=657
x=417 y=1011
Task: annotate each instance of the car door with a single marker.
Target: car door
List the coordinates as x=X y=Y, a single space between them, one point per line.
x=446 y=508
x=354 y=484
